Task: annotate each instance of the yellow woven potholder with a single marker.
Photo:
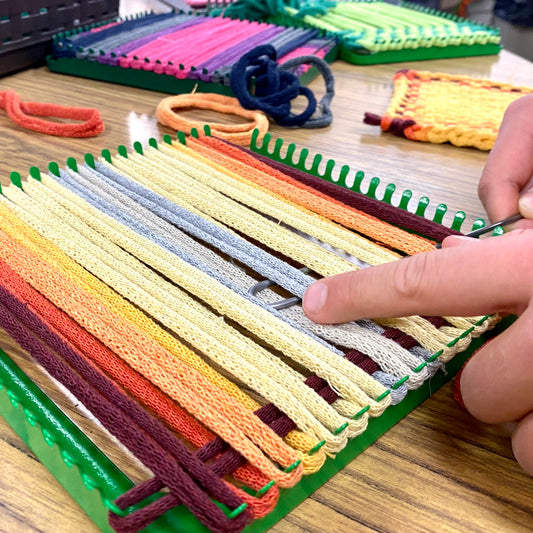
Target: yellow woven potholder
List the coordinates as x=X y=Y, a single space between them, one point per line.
x=437 y=108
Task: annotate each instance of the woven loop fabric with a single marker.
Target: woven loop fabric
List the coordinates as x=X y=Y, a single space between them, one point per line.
x=274 y=88
x=426 y=106
x=24 y=114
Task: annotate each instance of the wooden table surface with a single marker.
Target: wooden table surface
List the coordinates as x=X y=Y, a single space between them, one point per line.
x=438 y=469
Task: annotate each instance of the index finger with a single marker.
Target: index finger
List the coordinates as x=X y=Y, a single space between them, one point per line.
x=509 y=167
x=479 y=277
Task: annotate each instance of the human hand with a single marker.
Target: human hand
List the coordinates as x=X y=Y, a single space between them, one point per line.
x=467 y=277
x=506 y=184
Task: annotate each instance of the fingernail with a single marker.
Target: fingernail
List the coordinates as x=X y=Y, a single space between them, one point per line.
x=315 y=298
x=525 y=204
x=457 y=240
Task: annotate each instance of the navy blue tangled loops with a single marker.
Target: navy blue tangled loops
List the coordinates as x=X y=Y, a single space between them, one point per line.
x=275 y=88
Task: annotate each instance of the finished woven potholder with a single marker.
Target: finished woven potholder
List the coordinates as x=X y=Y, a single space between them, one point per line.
x=438 y=108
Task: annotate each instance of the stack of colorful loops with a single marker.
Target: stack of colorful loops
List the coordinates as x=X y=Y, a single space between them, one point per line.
x=128 y=280
x=437 y=108
x=374 y=31
x=186 y=45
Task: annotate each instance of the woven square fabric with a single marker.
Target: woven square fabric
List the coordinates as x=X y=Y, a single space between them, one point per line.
x=438 y=108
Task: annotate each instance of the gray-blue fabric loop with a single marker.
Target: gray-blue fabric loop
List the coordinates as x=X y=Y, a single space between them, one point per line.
x=325 y=115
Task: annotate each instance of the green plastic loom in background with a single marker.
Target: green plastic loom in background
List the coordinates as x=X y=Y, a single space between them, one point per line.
x=373 y=31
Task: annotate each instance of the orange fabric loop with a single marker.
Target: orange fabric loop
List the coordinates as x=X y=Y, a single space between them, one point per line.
x=24 y=114
x=240 y=134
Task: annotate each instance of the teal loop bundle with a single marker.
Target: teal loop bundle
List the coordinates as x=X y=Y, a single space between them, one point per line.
x=182 y=49
x=375 y=31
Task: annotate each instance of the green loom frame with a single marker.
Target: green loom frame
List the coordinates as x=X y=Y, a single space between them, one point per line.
x=365 y=57
x=95 y=482
x=142 y=79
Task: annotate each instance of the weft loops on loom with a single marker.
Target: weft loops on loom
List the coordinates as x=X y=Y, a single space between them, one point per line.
x=275 y=87
x=24 y=114
x=240 y=134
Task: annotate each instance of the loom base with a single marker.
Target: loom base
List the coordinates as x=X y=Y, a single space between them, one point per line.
x=150 y=80
x=79 y=465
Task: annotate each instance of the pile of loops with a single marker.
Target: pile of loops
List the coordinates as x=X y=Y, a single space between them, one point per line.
x=275 y=87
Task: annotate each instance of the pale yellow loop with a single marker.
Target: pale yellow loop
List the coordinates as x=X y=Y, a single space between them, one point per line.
x=240 y=134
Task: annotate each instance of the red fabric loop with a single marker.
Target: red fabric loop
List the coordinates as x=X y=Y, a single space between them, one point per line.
x=24 y=114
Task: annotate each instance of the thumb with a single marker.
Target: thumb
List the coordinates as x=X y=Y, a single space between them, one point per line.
x=496 y=383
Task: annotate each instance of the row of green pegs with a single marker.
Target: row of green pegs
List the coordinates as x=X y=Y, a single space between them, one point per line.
x=81 y=29
x=90 y=482
x=343 y=179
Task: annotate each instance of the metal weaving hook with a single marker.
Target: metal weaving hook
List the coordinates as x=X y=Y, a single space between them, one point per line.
x=486 y=229
x=282 y=304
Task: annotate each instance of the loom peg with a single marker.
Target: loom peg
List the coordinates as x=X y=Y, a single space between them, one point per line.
x=316 y=163
x=290 y=152
x=89 y=160
x=72 y=164
x=297 y=463
x=340 y=429
x=389 y=191
x=372 y=188
x=405 y=199
x=106 y=154
x=422 y=206
x=53 y=167
x=361 y=412
x=458 y=220
x=301 y=160
x=138 y=147
x=343 y=176
x=317 y=447
x=265 y=489
x=15 y=179
x=35 y=173
x=237 y=511
x=478 y=224
x=330 y=165
x=440 y=211
x=358 y=179
x=122 y=151
x=277 y=147
x=400 y=382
